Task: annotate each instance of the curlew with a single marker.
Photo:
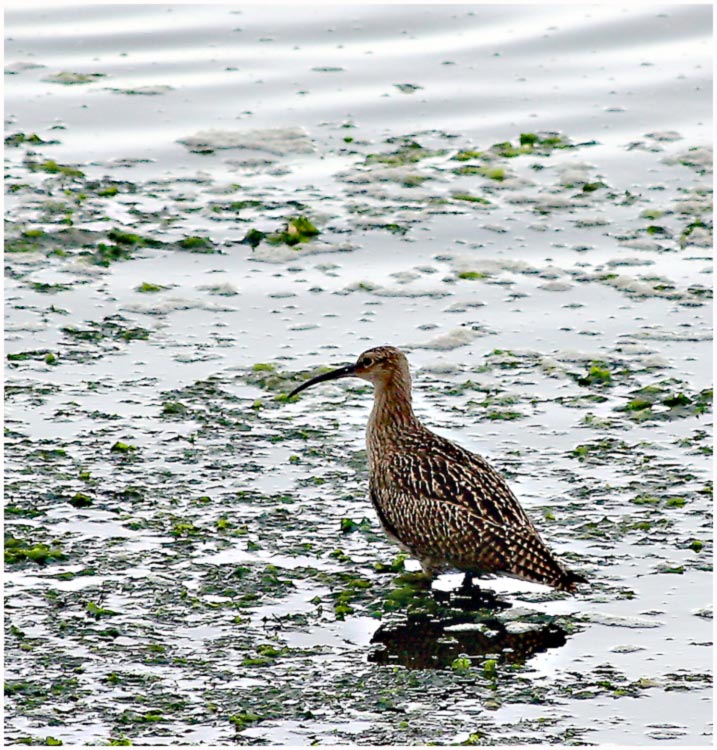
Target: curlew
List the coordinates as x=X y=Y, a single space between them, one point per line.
x=446 y=506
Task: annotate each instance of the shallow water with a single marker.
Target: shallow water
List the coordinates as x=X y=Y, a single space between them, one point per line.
x=197 y=583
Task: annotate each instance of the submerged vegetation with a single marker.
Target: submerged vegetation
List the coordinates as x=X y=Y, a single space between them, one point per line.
x=295 y=231
x=19 y=551
x=408 y=152
x=27 y=139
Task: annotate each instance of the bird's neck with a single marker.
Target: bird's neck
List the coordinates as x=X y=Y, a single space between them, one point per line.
x=392 y=411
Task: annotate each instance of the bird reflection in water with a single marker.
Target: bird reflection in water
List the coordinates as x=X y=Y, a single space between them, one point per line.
x=468 y=627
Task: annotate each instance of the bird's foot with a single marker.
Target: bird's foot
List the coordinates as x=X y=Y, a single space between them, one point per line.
x=470 y=596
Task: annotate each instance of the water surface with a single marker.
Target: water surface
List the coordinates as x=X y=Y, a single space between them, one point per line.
x=518 y=196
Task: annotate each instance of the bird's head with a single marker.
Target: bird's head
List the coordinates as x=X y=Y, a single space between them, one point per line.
x=380 y=366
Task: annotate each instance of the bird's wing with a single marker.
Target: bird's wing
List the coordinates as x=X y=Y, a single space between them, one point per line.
x=448 y=532
x=449 y=473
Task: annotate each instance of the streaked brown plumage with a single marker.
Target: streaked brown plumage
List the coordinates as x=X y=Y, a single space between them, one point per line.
x=447 y=506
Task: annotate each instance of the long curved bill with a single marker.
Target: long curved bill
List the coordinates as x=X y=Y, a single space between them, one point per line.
x=341 y=372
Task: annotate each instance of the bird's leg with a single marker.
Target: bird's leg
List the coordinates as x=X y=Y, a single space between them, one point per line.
x=467 y=584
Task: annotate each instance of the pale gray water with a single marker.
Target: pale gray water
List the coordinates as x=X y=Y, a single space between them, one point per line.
x=599 y=253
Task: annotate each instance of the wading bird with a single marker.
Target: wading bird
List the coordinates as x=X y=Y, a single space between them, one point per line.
x=446 y=506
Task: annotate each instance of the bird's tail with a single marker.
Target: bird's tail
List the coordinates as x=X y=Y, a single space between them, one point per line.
x=569 y=581
x=531 y=559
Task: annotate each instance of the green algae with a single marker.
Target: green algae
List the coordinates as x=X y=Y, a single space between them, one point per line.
x=46 y=288
x=17 y=551
x=490 y=669
x=253 y=238
x=493 y=173
x=241 y=721
x=97 y=611
x=11 y=509
x=196 y=244
x=354 y=588
x=241 y=205
x=104 y=255
x=461 y=664
x=269 y=377
x=507 y=150
x=185 y=529
x=111 y=327
x=671 y=569
x=348 y=525
x=467 y=155
x=134 y=717
x=408 y=152
x=665 y=400
x=646 y=500
x=33 y=354
x=80 y=500
x=690 y=228
x=495 y=415
x=392 y=227
x=174 y=408
x=591 y=187
x=695 y=441
x=29 y=241
x=469 y=198
x=93 y=247
x=48 y=740
x=489 y=172
x=409 y=594
x=296 y=230
x=537 y=144
x=597 y=374
x=52 y=167
x=122 y=447
x=122 y=237
x=396 y=566
x=544 y=143
x=600 y=451
x=148 y=288
x=27 y=139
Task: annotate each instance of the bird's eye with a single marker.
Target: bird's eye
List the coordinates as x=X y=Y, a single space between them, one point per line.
x=366 y=362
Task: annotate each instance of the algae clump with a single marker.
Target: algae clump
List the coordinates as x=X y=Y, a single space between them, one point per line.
x=296 y=230
x=598 y=374
x=197 y=244
x=147 y=288
x=17 y=551
x=120 y=447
